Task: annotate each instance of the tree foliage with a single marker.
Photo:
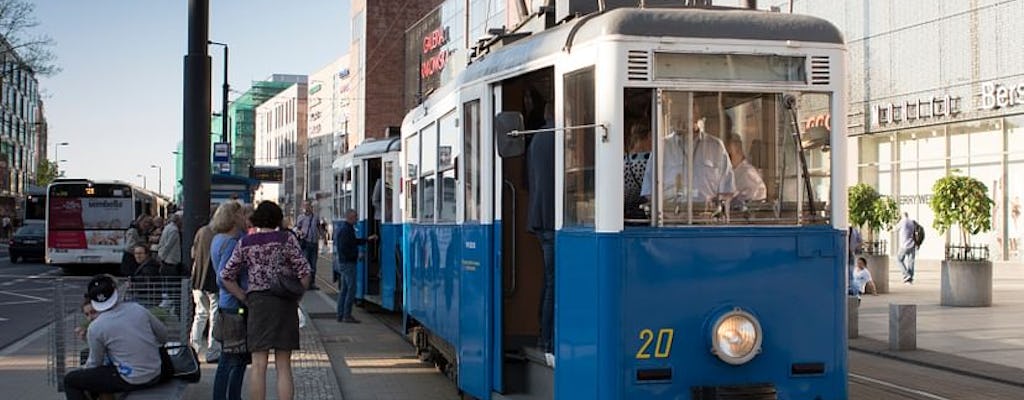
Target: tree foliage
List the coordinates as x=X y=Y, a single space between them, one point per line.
x=24 y=50
x=46 y=172
x=871 y=209
x=962 y=201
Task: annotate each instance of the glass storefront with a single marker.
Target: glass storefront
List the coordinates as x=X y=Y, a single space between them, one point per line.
x=906 y=163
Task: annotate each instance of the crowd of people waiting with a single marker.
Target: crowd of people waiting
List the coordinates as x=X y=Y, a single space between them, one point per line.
x=241 y=260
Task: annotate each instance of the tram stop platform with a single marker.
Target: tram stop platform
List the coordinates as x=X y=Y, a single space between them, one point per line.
x=985 y=342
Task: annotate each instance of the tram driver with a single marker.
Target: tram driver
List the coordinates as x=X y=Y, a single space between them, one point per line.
x=713 y=179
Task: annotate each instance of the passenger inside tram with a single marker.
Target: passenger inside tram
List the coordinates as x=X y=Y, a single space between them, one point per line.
x=749 y=185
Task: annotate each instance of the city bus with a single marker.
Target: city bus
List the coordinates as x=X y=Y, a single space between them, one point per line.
x=33 y=208
x=86 y=220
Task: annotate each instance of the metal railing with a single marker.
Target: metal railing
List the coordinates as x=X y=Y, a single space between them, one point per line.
x=168 y=298
x=967 y=253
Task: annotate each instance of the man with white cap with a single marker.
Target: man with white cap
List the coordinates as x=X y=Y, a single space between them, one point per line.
x=124 y=345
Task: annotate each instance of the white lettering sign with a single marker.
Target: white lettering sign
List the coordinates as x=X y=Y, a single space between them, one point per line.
x=995 y=96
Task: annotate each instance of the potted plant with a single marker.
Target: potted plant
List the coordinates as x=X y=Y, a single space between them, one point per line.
x=869 y=209
x=963 y=201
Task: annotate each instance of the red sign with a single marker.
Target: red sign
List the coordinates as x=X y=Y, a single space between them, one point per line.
x=434 y=41
x=66 y=240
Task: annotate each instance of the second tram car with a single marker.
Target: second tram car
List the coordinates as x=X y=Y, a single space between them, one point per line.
x=699 y=217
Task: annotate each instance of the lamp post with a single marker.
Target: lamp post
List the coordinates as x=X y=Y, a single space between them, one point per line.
x=56 y=148
x=224 y=96
x=159 y=178
x=143 y=180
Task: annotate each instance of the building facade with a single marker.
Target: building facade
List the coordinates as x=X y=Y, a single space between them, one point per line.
x=936 y=88
x=327 y=119
x=23 y=130
x=281 y=140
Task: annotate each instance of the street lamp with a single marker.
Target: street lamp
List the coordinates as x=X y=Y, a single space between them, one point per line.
x=160 y=178
x=56 y=147
x=143 y=180
x=224 y=96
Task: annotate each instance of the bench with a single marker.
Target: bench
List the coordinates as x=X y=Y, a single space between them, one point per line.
x=172 y=389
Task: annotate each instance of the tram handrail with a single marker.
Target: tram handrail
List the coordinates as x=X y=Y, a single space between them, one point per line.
x=515 y=215
x=604 y=130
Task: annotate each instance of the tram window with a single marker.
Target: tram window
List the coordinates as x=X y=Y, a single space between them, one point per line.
x=447 y=154
x=412 y=173
x=579 y=107
x=745 y=167
x=387 y=194
x=428 y=165
x=637 y=136
x=471 y=131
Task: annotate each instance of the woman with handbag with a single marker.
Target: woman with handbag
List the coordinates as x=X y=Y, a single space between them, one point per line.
x=229 y=225
x=275 y=266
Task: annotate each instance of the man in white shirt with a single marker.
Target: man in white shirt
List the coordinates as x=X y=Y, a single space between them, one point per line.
x=862 y=281
x=712 y=175
x=749 y=185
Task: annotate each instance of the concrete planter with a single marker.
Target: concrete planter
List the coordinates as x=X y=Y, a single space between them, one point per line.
x=878 y=265
x=967 y=283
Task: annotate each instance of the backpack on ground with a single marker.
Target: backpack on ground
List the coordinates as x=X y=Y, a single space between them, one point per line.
x=918 y=234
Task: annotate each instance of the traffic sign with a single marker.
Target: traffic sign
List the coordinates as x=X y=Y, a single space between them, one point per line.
x=221 y=152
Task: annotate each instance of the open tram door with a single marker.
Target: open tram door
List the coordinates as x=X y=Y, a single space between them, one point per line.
x=523 y=103
x=380 y=271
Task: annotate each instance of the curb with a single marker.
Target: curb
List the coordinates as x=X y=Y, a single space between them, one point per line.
x=942 y=361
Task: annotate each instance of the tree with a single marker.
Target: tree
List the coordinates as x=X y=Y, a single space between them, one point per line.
x=20 y=48
x=46 y=172
x=963 y=201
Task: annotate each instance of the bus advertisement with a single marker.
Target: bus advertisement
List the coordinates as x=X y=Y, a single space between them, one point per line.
x=86 y=222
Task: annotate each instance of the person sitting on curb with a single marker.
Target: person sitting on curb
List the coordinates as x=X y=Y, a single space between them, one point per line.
x=124 y=345
x=862 y=279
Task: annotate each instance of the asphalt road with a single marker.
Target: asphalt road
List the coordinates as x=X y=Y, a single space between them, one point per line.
x=27 y=291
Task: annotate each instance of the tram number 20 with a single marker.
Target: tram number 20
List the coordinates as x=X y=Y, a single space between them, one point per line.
x=661 y=343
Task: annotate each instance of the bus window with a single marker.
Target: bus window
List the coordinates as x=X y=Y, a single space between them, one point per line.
x=731 y=158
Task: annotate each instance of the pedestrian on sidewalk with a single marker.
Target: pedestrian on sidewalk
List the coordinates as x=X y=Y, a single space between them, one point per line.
x=124 y=345
x=908 y=247
x=230 y=223
x=273 y=322
x=169 y=247
x=204 y=295
x=308 y=228
x=862 y=281
x=347 y=250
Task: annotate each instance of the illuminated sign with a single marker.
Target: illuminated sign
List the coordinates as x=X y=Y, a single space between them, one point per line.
x=267 y=174
x=435 y=57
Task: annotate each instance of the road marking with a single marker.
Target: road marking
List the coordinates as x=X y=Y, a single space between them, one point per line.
x=36 y=298
x=14 y=348
x=898 y=387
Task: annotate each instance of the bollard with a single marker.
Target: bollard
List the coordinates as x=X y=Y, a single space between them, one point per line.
x=902 y=327
x=852 y=317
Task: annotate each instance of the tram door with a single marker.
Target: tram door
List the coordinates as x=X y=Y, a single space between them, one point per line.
x=522 y=265
x=372 y=166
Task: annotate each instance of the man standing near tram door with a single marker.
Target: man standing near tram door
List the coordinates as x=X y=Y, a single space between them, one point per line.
x=540 y=165
x=308 y=229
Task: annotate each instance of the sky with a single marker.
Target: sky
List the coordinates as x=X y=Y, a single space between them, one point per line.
x=118 y=99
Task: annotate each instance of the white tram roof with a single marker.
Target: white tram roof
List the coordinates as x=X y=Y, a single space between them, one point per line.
x=657 y=22
x=377 y=147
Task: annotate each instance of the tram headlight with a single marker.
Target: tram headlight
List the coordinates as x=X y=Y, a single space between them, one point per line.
x=736 y=337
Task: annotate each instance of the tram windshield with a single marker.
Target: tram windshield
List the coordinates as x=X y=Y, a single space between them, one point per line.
x=727 y=158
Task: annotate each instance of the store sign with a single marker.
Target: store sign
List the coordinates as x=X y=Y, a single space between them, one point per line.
x=915 y=110
x=435 y=56
x=995 y=95
x=822 y=120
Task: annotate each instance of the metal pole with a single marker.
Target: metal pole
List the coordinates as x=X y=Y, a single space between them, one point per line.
x=224 y=100
x=196 y=185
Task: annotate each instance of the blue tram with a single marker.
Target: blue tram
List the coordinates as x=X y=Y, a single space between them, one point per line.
x=699 y=201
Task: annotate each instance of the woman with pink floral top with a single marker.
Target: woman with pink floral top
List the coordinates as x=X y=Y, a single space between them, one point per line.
x=273 y=321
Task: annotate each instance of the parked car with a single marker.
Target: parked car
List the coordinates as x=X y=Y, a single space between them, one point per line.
x=29 y=241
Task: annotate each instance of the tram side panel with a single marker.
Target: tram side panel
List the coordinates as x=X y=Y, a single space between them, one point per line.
x=390 y=266
x=432 y=271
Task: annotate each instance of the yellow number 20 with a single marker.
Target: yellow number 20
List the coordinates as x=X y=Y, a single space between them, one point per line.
x=663 y=346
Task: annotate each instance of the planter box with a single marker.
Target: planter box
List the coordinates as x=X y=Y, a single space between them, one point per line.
x=966 y=283
x=878 y=265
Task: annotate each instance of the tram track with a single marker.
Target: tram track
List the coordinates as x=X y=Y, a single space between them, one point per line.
x=895 y=389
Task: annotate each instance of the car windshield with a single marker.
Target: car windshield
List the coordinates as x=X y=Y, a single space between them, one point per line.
x=30 y=230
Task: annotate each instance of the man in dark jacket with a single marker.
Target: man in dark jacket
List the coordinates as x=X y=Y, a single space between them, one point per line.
x=540 y=161
x=347 y=251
